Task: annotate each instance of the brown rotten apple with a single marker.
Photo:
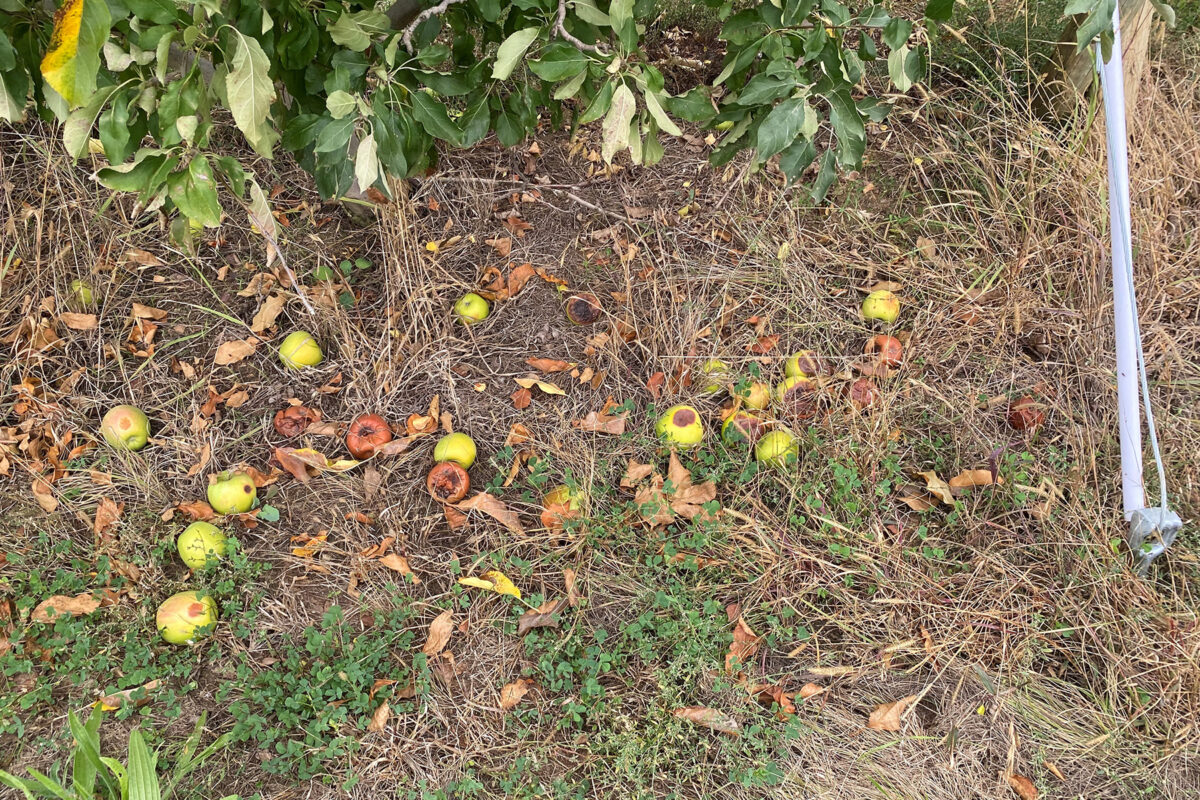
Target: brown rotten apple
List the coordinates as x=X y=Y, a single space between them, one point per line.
x=862 y=393
x=292 y=421
x=1026 y=414
x=583 y=309
x=887 y=350
x=367 y=434
x=448 y=482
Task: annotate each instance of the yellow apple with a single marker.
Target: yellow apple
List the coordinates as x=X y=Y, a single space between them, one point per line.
x=742 y=428
x=82 y=294
x=300 y=350
x=125 y=428
x=776 y=449
x=456 y=447
x=232 y=493
x=560 y=504
x=680 y=425
x=756 y=396
x=471 y=308
x=804 y=364
x=199 y=541
x=881 y=305
x=717 y=372
x=183 y=617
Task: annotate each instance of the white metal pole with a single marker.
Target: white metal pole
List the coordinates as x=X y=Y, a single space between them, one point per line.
x=1112 y=75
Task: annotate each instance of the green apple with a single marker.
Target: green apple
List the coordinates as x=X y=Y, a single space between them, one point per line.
x=232 y=493
x=881 y=305
x=125 y=428
x=717 y=372
x=184 y=617
x=680 y=425
x=456 y=447
x=199 y=541
x=471 y=308
x=82 y=294
x=300 y=350
x=776 y=449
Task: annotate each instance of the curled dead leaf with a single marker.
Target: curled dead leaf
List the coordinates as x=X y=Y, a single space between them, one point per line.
x=544 y=616
x=440 y=631
x=886 y=716
x=1023 y=787
x=709 y=718
x=138 y=696
x=512 y=693
x=492 y=506
x=233 y=351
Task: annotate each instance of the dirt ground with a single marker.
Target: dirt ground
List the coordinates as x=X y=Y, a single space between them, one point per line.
x=1008 y=621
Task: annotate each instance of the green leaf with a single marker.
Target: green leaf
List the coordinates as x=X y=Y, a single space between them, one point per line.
x=782 y=126
x=512 y=50
x=1098 y=22
x=114 y=130
x=13 y=782
x=366 y=162
x=660 y=115
x=693 y=105
x=1166 y=12
x=848 y=126
x=896 y=69
x=939 y=10
x=13 y=96
x=72 y=60
x=586 y=10
x=896 y=32
x=251 y=93
x=340 y=104
x=434 y=119
x=570 y=88
x=136 y=176
x=559 y=61
x=825 y=177
x=86 y=763
x=143 y=773
x=599 y=105
x=354 y=31
x=335 y=135
x=476 y=121
x=621 y=12
x=796 y=158
x=615 y=130
x=78 y=127
x=194 y=192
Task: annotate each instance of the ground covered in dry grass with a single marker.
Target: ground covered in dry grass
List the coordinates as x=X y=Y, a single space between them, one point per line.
x=1024 y=654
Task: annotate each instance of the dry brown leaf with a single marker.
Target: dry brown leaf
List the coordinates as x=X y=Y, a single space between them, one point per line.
x=63 y=605
x=78 y=322
x=655 y=384
x=493 y=507
x=521 y=398
x=148 y=312
x=197 y=510
x=111 y=702
x=501 y=244
x=709 y=718
x=765 y=344
x=886 y=716
x=569 y=579
x=234 y=351
x=454 y=518
x=143 y=257
x=267 y=313
x=517 y=226
x=769 y=694
x=107 y=515
x=372 y=481
x=688 y=499
x=810 y=690
x=395 y=446
x=544 y=616
x=743 y=647
x=926 y=246
x=938 y=487
x=517 y=434
x=970 y=478
x=512 y=693
x=602 y=422
x=548 y=364
x=43 y=492
x=635 y=473
x=652 y=504
x=379 y=719
x=100 y=478
x=440 y=631
x=1023 y=787
x=398 y=563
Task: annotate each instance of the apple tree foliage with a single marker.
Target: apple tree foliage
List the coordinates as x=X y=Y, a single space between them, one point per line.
x=358 y=91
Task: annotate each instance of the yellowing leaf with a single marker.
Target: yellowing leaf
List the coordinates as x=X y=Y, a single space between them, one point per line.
x=493 y=581
x=970 y=478
x=115 y=700
x=545 y=386
x=73 y=58
x=938 y=487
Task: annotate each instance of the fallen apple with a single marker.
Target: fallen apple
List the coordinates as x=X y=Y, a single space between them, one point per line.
x=887 y=350
x=742 y=428
x=300 y=350
x=881 y=305
x=717 y=373
x=560 y=504
x=471 y=308
x=862 y=393
x=199 y=541
x=232 y=493
x=583 y=309
x=368 y=432
x=184 y=617
x=456 y=447
x=804 y=364
x=82 y=294
x=798 y=397
x=448 y=482
x=680 y=425
x=292 y=421
x=1026 y=414
x=777 y=449
x=756 y=396
x=125 y=428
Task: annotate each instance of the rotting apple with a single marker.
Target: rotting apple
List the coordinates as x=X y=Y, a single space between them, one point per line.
x=456 y=447
x=125 y=427
x=862 y=393
x=184 y=617
x=798 y=397
x=680 y=425
x=232 y=493
x=743 y=429
x=717 y=373
x=299 y=350
x=199 y=541
x=1025 y=414
x=292 y=421
x=471 y=308
x=560 y=504
x=777 y=448
x=881 y=305
x=756 y=396
x=368 y=432
x=584 y=309
x=887 y=350
x=448 y=482
x=804 y=364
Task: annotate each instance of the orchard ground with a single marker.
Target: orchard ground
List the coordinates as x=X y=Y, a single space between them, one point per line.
x=1010 y=618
